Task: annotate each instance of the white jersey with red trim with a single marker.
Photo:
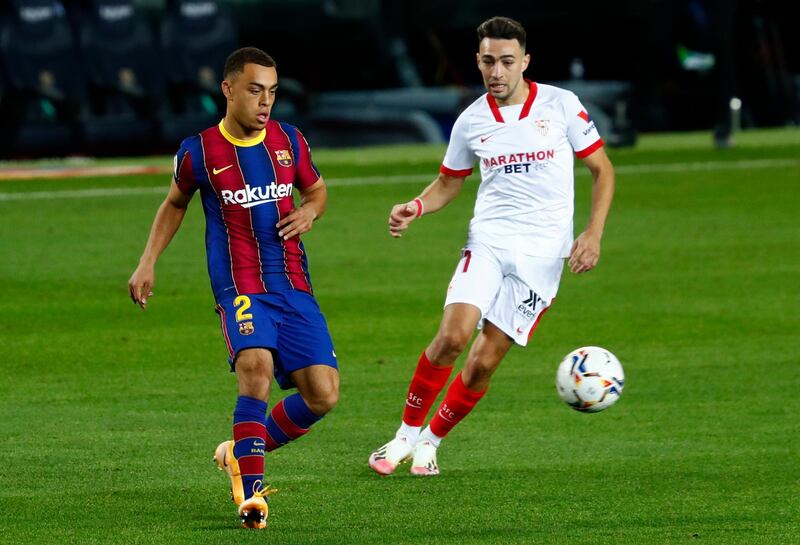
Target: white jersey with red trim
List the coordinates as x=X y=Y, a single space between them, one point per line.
x=525 y=152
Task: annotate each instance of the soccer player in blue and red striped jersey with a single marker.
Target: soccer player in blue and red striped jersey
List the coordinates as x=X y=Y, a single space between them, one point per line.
x=246 y=169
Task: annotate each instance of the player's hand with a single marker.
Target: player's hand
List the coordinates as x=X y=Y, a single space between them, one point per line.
x=401 y=216
x=140 y=285
x=585 y=253
x=298 y=221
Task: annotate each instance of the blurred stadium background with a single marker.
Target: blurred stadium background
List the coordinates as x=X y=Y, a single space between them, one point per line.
x=123 y=77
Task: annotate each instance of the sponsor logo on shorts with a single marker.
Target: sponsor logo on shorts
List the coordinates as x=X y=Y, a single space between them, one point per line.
x=528 y=306
x=246 y=328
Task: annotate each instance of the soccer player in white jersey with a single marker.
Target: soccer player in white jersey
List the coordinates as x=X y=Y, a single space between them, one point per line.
x=523 y=136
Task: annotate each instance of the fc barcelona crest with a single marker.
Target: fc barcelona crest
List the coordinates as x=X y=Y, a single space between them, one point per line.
x=284 y=157
x=246 y=328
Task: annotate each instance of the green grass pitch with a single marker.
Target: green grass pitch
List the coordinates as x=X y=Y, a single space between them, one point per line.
x=109 y=415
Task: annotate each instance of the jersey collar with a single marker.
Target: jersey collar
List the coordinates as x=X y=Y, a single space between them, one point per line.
x=526 y=108
x=238 y=141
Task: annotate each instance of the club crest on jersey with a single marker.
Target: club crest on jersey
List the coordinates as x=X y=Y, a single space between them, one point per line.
x=246 y=328
x=543 y=126
x=284 y=157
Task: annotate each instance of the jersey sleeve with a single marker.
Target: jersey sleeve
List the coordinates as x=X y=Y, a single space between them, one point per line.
x=459 y=158
x=183 y=171
x=307 y=172
x=581 y=130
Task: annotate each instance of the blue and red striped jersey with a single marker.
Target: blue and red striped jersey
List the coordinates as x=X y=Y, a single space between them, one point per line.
x=246 y=187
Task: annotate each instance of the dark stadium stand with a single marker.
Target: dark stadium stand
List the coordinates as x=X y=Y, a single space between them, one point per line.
x=100 y=77
x=196 y=36
x=42 y=79
x=125 y=78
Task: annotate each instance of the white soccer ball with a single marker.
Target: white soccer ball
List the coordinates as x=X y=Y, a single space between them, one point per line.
x=590 y=379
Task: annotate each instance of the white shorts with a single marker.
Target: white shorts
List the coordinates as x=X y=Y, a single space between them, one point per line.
x=511 y=289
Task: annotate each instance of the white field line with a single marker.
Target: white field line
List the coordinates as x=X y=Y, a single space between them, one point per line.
x=705 y=166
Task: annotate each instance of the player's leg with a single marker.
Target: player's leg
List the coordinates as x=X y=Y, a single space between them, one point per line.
x=526 y=292
x=243 y=457
x=472 y=289
x=293 y=416
x=248 y=336
x=462 y=395
x=305 y=360
x=433 y=369
x=436 y=364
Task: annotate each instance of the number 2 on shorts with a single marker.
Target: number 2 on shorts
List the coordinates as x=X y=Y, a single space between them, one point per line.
x=242 y=303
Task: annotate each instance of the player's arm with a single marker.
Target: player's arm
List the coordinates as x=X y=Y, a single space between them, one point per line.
x=166 y=223
x=314 y=199
x=441 y=191
x=586 y=248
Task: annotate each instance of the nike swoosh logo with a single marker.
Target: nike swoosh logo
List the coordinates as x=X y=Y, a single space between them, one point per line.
x=223 y=169
x=255 y=444
x=485 y=138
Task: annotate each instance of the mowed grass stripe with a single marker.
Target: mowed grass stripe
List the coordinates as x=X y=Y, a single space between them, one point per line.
x=708 y=166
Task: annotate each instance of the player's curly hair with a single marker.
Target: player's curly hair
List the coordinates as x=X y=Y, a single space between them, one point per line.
x=502 y=28
x=235 y=62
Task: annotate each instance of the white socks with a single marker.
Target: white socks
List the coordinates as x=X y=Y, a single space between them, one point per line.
x=428 y=435
x=413 y=434
x=410 y=432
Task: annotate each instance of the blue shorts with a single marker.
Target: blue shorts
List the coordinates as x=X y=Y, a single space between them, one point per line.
x=289 y=324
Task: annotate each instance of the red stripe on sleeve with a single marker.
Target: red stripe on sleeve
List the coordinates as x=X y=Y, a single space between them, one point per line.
x=307 y=174
x=455 y=173
x=590 y=150
x=184 y=176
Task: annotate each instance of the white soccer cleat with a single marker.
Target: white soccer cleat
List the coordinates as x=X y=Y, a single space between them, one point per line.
x=424 y=464
x=386 y=459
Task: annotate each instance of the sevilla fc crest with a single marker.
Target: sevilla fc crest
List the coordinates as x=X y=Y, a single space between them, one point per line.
x=246 y=328
x=284 y=157
x=543 y=126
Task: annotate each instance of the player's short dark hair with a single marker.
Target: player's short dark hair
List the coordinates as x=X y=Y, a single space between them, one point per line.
x=235 y=62
x=502 y=28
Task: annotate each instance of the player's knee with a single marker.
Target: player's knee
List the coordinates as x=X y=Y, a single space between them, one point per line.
x=448 y=345
x=253 y=364
x=478 y=372
x=323 y=401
